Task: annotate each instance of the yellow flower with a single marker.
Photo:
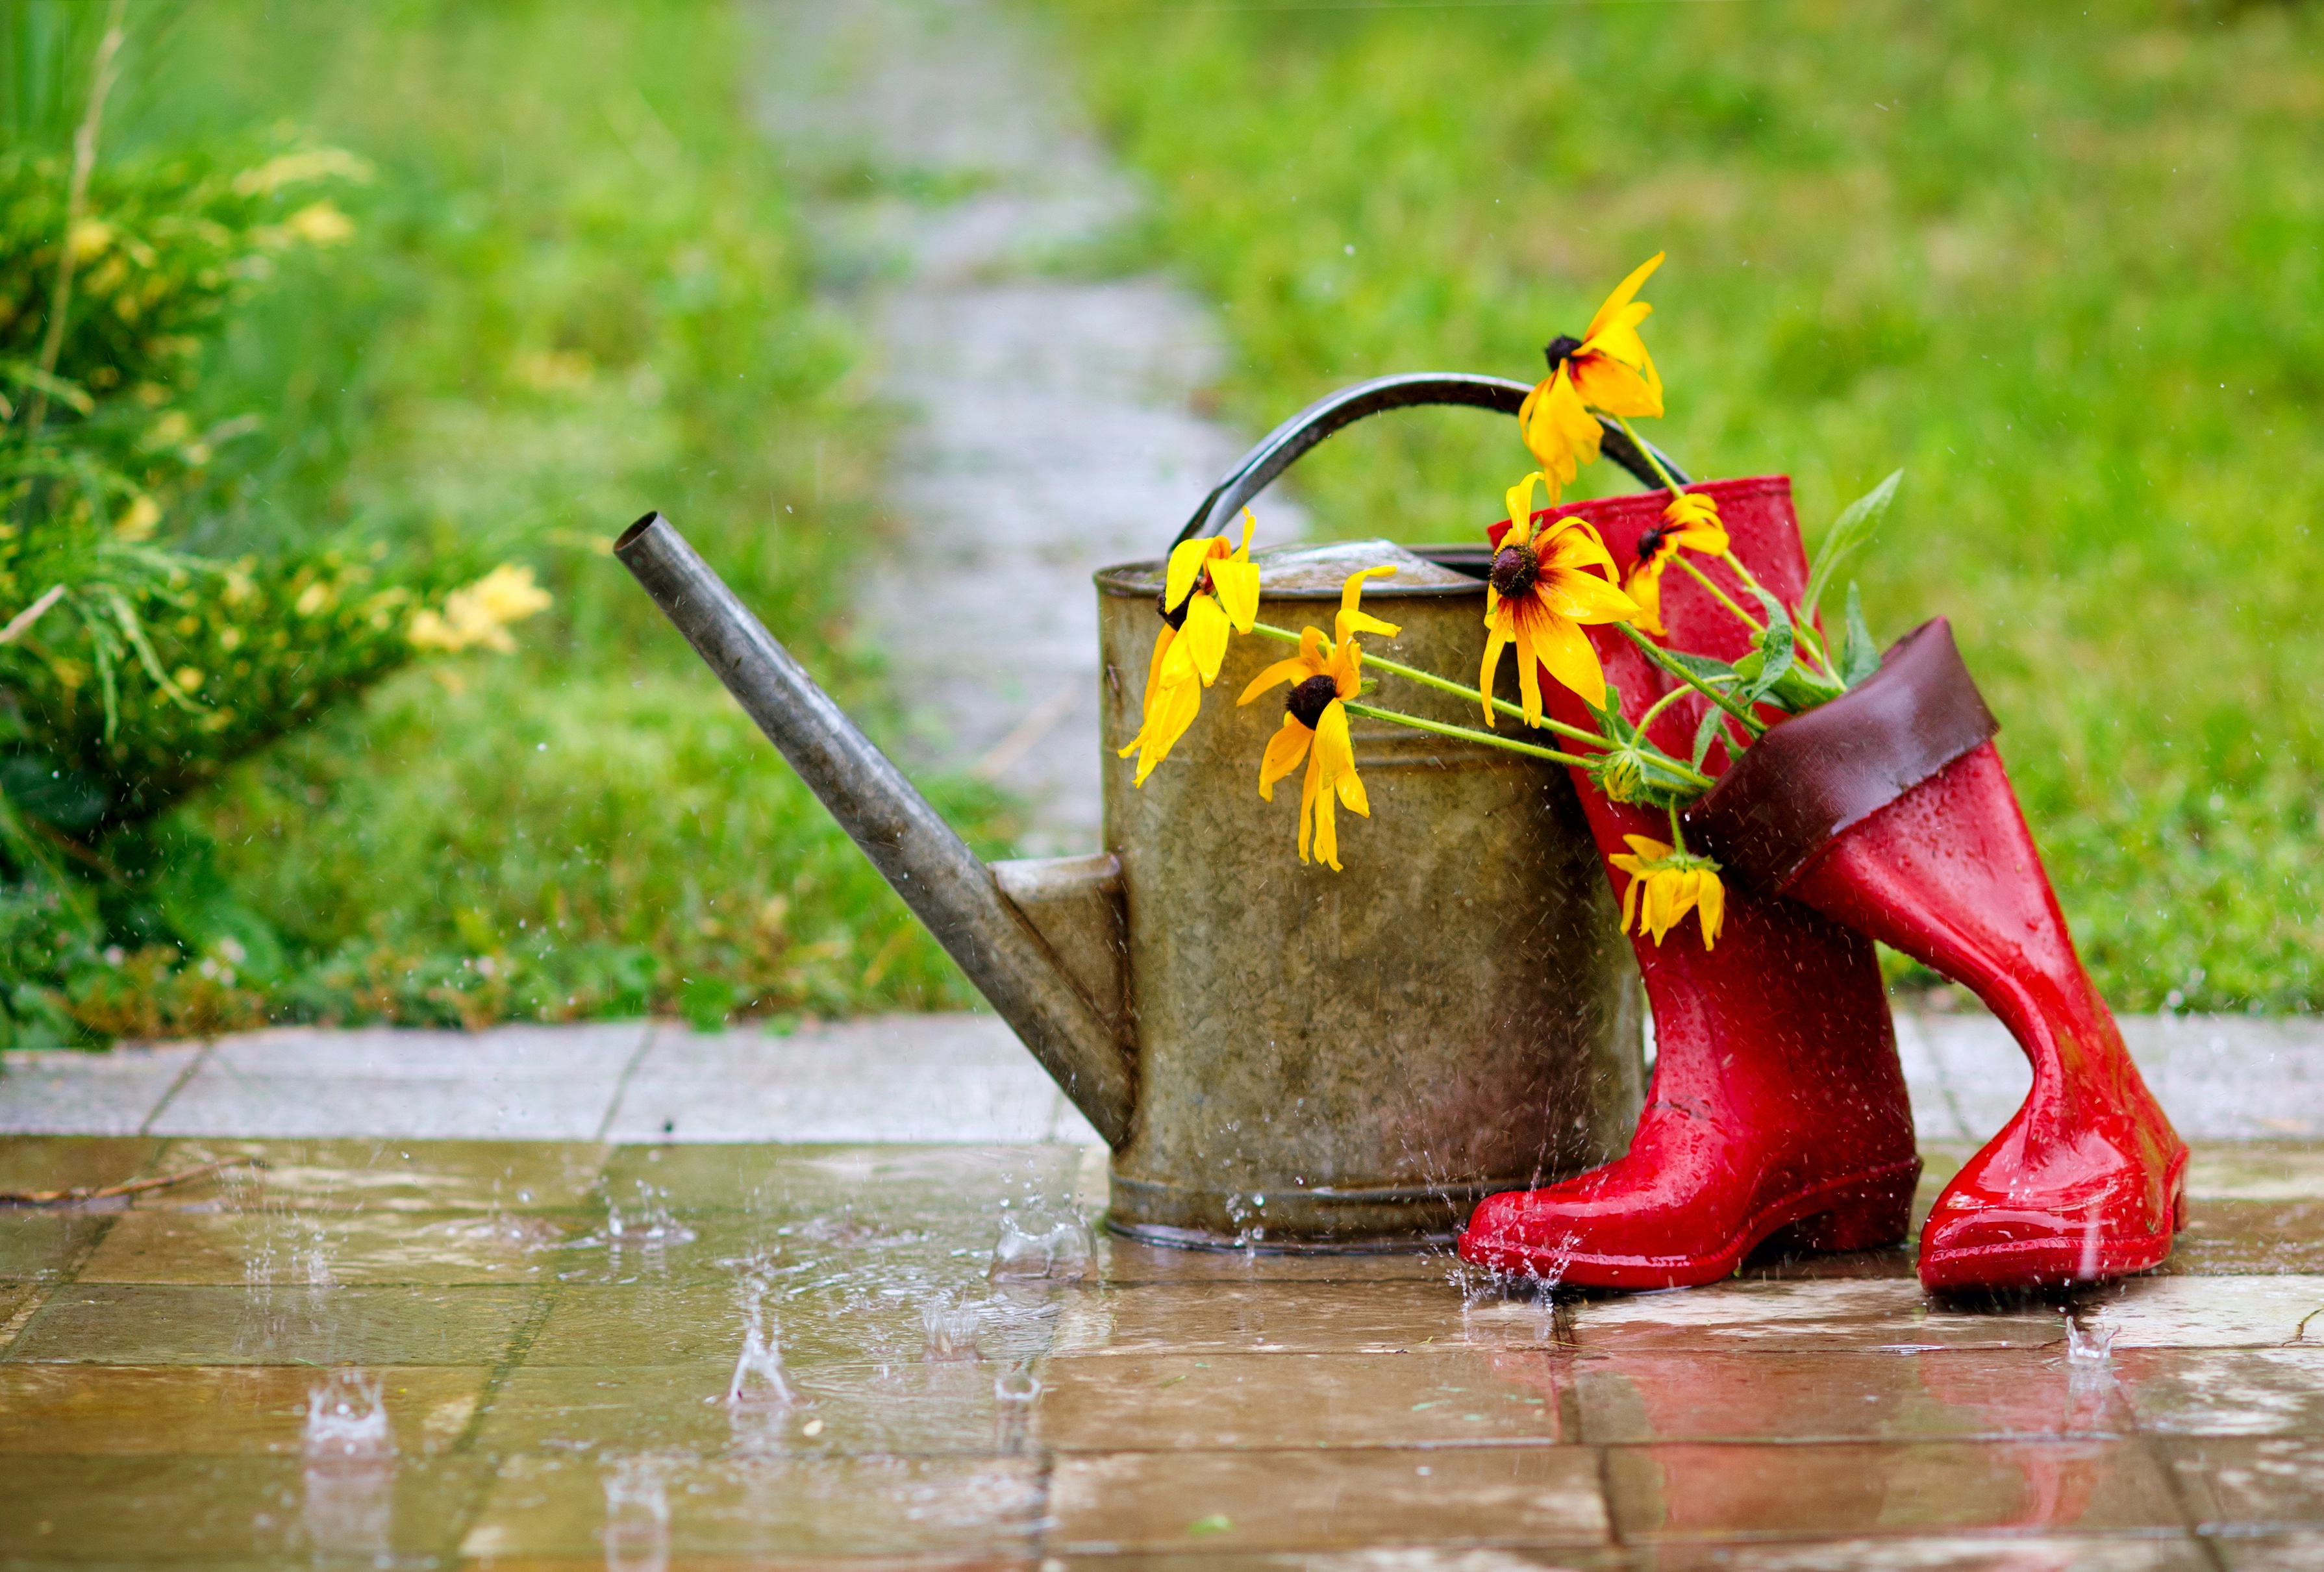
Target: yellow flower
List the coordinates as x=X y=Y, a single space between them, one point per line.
x=1541 y=593
x=1691 y=522
x=1212 y=586
x=1323 y=675
x=1173 y=696
x=1209 y=589
x=478 y=614
x=1315 y=727
x=1608 y=368
x=1673 y=883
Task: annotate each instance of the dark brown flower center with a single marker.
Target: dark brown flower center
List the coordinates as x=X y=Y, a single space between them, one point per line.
x=1560 y=350
x=1515 y=569
x=1651 y=541
x=1310 y=699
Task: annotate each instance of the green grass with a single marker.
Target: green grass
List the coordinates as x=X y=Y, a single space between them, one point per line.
x=2063 y=268
x=578 y=288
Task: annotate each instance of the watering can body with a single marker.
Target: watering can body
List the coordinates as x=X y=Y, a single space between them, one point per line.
x=1281 y=1056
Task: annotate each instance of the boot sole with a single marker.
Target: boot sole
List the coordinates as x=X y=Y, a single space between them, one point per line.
x=1862 y=1211
x=2048 y=1263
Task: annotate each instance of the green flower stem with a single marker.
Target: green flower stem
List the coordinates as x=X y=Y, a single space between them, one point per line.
x=1464 y=733
x=1658 y=706
x=1656 y=653
x=1678 y=836
x=1429 y=679
x=1717 y=594
x=1648 y=454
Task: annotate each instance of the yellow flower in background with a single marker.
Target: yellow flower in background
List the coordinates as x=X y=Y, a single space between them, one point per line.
x=1608 y=368
x=1315 y=727
x=1209 y=590
x=1541 y=593
x=480 y=613
x=1665 y=885
x=1691 y=523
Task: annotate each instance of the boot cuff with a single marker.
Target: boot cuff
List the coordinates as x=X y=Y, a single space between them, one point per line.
x=1817 y=774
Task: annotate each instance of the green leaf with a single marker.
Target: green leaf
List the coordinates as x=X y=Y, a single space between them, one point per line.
x=1860 y=659
x=1851 y=529
x=1777 y=647
x=1706 y=732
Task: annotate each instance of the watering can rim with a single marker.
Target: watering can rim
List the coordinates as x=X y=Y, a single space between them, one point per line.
x=1141 y=579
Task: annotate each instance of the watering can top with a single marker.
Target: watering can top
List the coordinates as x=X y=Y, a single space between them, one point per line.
x=1316 y=573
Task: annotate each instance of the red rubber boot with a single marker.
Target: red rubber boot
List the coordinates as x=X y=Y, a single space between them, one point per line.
x=1888 y=810
x=1776 y=1098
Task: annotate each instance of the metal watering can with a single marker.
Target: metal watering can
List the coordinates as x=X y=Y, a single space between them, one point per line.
x=1280 y=1056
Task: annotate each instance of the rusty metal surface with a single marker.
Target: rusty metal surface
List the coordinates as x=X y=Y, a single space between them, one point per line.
x=1368 y=1050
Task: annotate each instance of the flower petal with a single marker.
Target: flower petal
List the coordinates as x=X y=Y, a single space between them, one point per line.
x=1350 y=618
x=1645 y=585
x=1623 y=293
x=1561 y=434
x=1529 y=620
x=1237 y=583
x=1297 y=669
x=1502 y=626
x=1206 y=631
x=1648 y=847
x=1603 y=381
x=1285 y=749
x=1307 y=794
x=1711 y=908
x=1186 y=559
x=1565 y=649
x=1582 y=596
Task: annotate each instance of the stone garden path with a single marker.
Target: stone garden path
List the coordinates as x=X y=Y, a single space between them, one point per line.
x=1050 y=427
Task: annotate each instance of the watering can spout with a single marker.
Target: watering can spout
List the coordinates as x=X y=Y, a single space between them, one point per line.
x=967 y=905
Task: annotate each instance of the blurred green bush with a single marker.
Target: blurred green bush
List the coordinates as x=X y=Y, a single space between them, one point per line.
x=560 y=279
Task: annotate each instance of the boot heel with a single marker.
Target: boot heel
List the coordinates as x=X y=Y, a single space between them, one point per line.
x=1870 y=1217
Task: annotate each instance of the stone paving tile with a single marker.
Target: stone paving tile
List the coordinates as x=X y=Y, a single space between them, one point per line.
x=1242 y=1401
x=2221 y=1392
x=63 y=1091
x=1951 y=1553
x=1328 y=1318
x=2242 y=1485
x=1128 y=1262
x=1799 y=1316
x=2250 y=1237
x=2296 y=1553
x=890 y=1077
x=556 y=1505
x=950 y=1409
x=1838 y=1396
x=521 y=1083
x=41 y=1246
x=855 y=1185
x=671 y=1324
x=307 y=1247
x=144 y=1509
x=382 y=1174
x=2207 y=1312
x=102 y=1410
x=1312 y=1500
x=169 y=1324
x=40 y=1162
x=1691 y=1489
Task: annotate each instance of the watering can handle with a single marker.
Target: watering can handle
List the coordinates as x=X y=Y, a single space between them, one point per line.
x=1281 y=447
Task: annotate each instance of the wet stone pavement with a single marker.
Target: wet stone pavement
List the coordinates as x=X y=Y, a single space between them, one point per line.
x=439 y=1353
